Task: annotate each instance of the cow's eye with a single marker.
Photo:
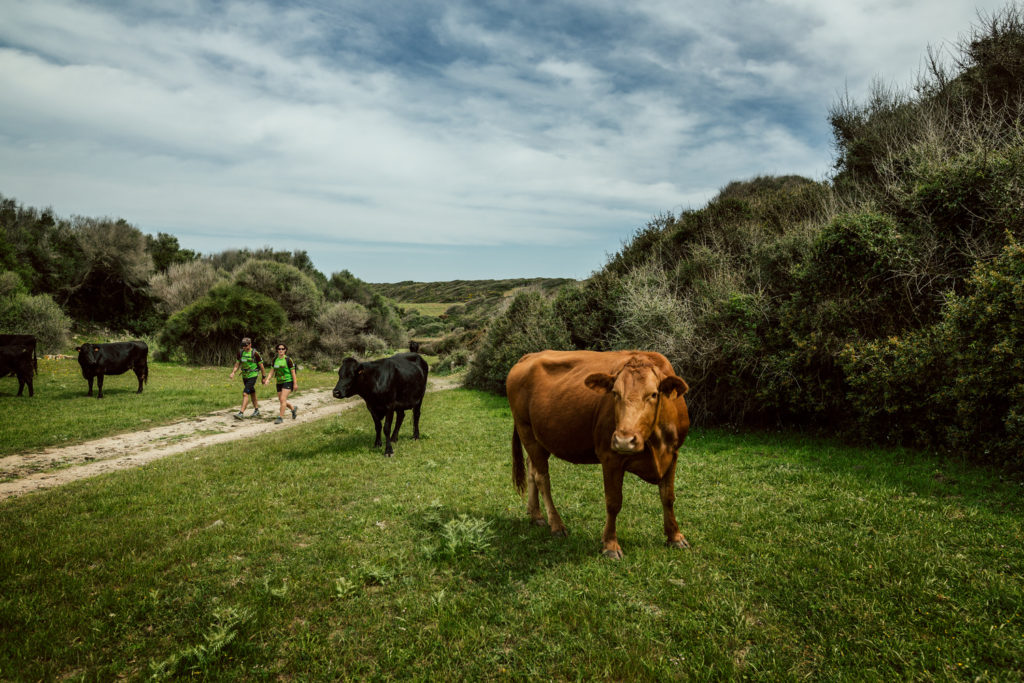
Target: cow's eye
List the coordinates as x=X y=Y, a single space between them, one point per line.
x=653 y=397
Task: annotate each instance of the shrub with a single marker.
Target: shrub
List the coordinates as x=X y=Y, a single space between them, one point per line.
x=292 y=289
x=529 y=324
x=183 y=283
x=38 y=315
x=208 y=330
x=960 y=382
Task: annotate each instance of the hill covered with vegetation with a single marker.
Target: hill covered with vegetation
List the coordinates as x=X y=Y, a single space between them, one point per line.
x=887 y=302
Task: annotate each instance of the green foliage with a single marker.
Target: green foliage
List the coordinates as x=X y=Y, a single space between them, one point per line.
x=183 y=283
x=292 y=289
x=528 y=325
x=39 y=315
x=208 y=330
x=165 y=251
x=959 y=383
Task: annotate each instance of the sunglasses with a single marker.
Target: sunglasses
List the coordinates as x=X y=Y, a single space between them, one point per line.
x=282 y=348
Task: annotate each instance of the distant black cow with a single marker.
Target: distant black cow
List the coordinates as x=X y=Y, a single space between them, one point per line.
x=28 y=340
x=115 y=358
x=388 y=385
x=17 y=360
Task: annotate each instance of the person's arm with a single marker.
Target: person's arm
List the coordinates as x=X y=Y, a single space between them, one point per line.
x=295 y=375
x=234 y=370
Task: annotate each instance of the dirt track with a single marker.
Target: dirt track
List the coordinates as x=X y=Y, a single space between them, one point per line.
x=35 y=471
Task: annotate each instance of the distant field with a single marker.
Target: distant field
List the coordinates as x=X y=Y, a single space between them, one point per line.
x=61 y=413
x=433 y=309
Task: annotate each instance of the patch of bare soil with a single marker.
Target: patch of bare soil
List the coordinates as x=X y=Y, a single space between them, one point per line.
x=27 y=472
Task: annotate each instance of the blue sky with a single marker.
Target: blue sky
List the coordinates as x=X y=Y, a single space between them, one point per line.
x=432 y=141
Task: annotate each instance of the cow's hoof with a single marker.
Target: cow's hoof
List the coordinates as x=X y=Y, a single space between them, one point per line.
x=612 y=554
x=538 y=521
x=560 y=533
x=682 y=544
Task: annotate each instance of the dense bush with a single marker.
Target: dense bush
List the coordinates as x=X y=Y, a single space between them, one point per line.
x=528 y=325
x=22 y=313
x=183 y=283
x=958 y=383
x=292 y=289
x=208 y=330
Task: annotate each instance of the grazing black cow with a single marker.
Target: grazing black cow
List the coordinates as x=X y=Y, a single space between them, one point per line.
x=115 y=358
x=28 y=340
x=17 y=360
x=388 y=385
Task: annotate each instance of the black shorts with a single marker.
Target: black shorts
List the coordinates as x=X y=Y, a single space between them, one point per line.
x=249 y=385
x=290 y=386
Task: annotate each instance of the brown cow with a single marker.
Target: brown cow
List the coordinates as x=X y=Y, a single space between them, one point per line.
x=622 y=409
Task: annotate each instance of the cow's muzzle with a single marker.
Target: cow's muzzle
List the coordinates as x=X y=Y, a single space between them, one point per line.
x=627 y=443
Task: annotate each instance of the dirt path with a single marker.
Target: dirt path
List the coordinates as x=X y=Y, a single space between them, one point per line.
x=34 y=471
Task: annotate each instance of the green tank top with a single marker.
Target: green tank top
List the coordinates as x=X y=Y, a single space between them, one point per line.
x=282 y=371
x=250 y=368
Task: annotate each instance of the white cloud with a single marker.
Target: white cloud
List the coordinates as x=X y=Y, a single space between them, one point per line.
x=452 y=127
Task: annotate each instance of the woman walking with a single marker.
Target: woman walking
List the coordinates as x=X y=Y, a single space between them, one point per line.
x=287 y=380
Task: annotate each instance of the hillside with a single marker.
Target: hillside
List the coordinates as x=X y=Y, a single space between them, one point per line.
x=461 y=291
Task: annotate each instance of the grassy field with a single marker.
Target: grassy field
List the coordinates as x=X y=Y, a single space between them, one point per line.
x=427 y=309
x=314 y=558
x=61 y=413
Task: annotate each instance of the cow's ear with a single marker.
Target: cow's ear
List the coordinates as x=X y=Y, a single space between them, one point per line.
x=95 y=348
x=673 y=383
x=600 y=382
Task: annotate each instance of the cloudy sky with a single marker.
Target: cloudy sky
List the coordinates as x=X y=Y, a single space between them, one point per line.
x=432 y=140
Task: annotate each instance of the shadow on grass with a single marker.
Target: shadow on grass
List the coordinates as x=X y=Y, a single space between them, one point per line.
x=496 y=550
x=917 y=473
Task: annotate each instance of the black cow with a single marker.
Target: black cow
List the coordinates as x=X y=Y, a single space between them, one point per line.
x=28 y=340
x=388 y=385
x=17 y=360
x=115 y=358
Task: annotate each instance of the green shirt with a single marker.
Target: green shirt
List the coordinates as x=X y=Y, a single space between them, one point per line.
x=284 y=369
x=250 y=363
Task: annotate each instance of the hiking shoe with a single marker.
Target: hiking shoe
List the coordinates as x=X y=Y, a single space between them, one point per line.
x=256 y=413
x=239 y=415
x=294 y=410
x=279 y=420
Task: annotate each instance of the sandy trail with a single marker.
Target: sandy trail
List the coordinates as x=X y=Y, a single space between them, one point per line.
x=35 y=471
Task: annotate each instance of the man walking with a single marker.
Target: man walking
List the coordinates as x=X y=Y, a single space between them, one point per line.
x=251 y=364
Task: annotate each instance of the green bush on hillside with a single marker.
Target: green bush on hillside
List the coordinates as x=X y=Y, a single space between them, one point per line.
x=291 y=288
x=528 y=325
x=39 y=315
x=958 y=383
x=208 y=331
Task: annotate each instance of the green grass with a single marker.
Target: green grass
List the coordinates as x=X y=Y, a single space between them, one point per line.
x=61 y=413
x=435 y=309
x=315 y=558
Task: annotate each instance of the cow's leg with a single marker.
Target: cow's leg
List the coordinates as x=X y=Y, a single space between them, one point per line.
x=21 y=386
x=416 y=419
x=99 y=385
x=667 y=489
x=399 y=418
x=540 y=482
x=378 y=417
x=612 y=504
x=389 y=449
x=31 y=391
x=89 y=380
x=140 y=373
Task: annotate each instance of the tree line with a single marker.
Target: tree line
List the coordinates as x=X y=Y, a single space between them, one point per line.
x=106 y=273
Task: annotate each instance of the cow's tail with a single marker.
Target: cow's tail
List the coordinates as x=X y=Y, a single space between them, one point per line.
x=35 y=361
x=518 y=464
x=145 y=374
